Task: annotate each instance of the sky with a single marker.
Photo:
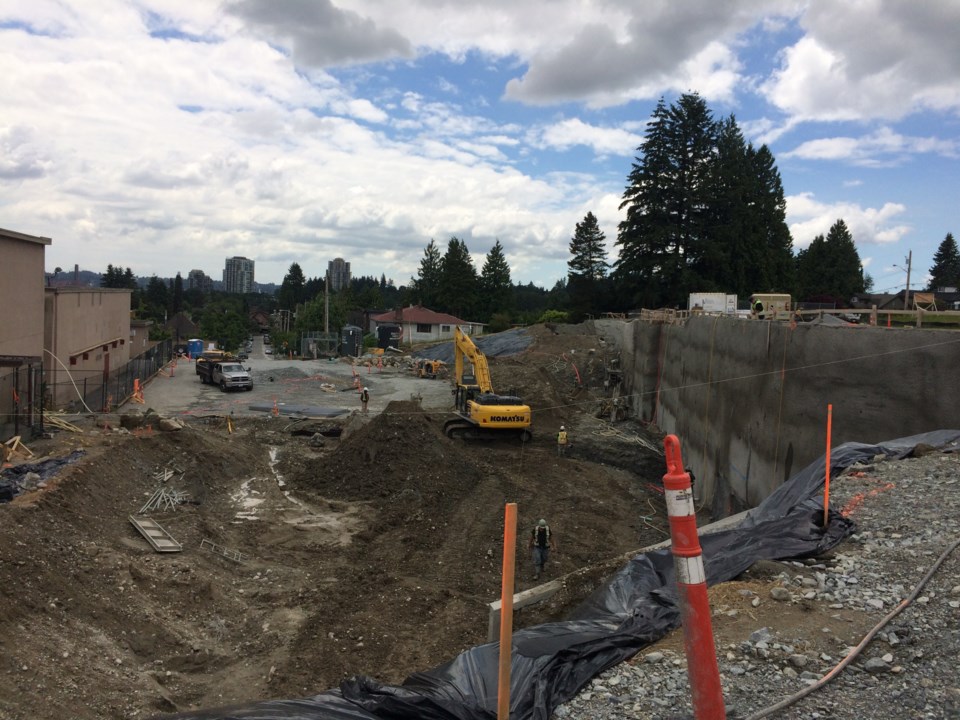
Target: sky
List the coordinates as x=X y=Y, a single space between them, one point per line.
x=169 y=135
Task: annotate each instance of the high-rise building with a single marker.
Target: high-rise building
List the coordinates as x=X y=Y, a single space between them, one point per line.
x=338 y=273
x=199 y=280
x=238 y=275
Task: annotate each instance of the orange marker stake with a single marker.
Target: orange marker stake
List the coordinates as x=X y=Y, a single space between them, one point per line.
x=506 y=610
x=826 y=484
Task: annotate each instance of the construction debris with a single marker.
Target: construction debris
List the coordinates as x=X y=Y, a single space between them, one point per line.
x=234 y=555
x=60 y=423
x=164 y=499
x=15 y=446
x=159 y=539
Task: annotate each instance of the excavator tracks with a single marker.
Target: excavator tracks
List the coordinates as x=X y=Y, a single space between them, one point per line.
x=460 y=429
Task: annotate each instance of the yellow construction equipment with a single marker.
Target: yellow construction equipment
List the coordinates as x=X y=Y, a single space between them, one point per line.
x=429 y=368
x=481 y=413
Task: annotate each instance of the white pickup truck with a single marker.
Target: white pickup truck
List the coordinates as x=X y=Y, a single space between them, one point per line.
x=227 y=375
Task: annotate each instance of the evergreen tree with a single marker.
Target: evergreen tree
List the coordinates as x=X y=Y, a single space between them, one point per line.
x=313 y=287
x=830 y=269
x=426 y=286
x=770 y=217
x=587 y=268
x=117 y=277
x=292 y=289
x=156 y=298
x=664 y=236
x=458 y=281
x=946 y=265
x=176 y=300
x=496 y=289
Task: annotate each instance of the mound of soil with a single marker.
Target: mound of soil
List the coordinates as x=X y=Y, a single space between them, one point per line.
x=307 y=559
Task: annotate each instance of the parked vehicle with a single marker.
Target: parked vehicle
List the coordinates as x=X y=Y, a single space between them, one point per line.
x=228 y=375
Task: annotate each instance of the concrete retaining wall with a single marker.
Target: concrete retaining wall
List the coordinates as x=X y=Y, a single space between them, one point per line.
x=748 y=399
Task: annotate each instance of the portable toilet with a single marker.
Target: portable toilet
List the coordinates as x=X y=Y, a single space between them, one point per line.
x=351 y=341
x=195 y=347
x=388 y=336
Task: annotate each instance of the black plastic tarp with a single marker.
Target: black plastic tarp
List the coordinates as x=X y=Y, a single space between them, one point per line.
x=12 y=478
x=553 y=661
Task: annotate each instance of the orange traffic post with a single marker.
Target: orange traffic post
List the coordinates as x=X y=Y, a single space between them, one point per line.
x=506 y=610
x=826 y=483
x=702 y=668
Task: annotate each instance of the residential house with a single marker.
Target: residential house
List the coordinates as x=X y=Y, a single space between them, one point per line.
x=86 y=336
x=181 y=328
x=21 y=332
x=420 y=324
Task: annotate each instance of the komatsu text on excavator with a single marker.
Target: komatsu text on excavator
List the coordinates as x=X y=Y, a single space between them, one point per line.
x=481 y=413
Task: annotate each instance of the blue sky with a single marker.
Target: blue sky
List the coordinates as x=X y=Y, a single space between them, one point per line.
x=167 y=135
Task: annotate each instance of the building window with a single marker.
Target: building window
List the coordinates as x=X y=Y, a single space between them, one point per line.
x=444 y=328
x=424 y=328
x=73 y=359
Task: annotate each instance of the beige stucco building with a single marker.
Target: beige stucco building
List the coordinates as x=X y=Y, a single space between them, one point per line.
x=88 y=338
x=21 y=332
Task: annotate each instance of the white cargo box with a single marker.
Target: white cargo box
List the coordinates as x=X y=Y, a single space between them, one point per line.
x=713 y=303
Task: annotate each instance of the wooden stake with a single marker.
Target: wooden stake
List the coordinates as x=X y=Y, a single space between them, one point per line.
x=506 y=610
x=826 y=484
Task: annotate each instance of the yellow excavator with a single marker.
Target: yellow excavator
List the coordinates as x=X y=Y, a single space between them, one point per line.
x=481 y=413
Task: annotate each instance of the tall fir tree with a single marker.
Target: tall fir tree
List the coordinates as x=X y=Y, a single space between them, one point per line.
x=663 y=239
x=945 y=271
x=426 y=285
x=496 y=288
x=770 y=219
x=830 y=270
x=293 y=288
x=458 y=280
x=587 y=268
x=176 y=298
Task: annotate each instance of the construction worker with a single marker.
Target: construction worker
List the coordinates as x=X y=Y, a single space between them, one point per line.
x=562 y=441
x=541 y=542
x=364 y=399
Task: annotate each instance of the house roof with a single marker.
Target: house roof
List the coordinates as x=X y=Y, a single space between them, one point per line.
x=420 y=315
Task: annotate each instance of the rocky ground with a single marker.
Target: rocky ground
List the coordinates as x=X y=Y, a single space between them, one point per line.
x=782 y=628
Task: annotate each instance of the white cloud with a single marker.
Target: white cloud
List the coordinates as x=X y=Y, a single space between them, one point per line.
x=883 y=146
x=603 y=141
x=870 y=59
x=808 y=217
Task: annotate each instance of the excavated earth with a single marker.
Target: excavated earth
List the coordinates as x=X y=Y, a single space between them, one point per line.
x=318 y=550
x=307 y=557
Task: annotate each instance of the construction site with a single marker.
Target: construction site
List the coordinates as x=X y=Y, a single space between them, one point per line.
x=310 y=550
x=197 y=549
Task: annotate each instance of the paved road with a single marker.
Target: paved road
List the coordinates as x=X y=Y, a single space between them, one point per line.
x=298 y=387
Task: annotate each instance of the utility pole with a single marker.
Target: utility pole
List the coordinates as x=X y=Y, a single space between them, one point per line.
x=906 y=294
x=326 y=302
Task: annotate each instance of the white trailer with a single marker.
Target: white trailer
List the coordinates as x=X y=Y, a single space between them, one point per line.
x=713 y=303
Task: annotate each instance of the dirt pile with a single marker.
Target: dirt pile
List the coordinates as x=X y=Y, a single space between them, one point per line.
x=375 y=553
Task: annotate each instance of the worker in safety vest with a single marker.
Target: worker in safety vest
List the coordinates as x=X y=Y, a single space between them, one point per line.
x=562 y=441
x=364 y=399
x=541 y=542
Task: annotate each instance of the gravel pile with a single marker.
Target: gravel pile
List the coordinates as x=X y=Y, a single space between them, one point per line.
x=906 y=513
